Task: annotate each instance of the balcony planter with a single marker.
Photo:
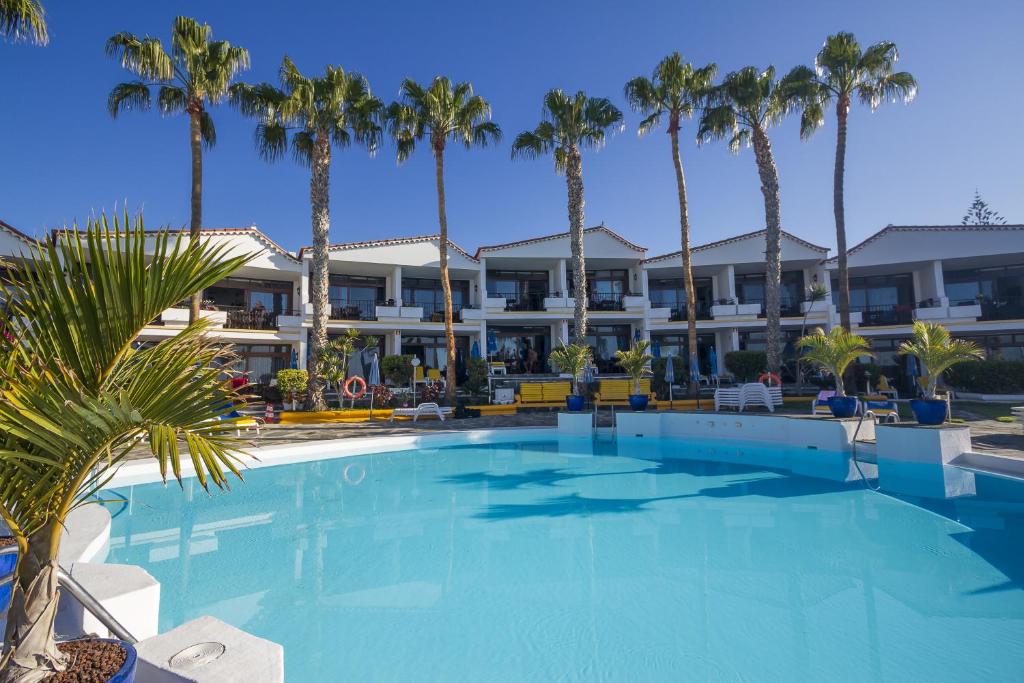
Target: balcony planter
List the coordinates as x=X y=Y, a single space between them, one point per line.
x=929 y=411
x=126 y=674
x=414 y=312
x=553 y=302
x=931 y=313
x=494 y=303
x=638 y=402
x=843 y=406
x=820 y=306
x=731 y=310
x=389 y=311
x=573 y=403
x=630 y=302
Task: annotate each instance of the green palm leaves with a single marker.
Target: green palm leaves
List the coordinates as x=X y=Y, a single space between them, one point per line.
x=77 y=394
x=573 y=359
x=23 y=20
x=575 y=121
x=676 y=89
x=833 y=352
x=442 y=112
x=745 y=101
x=636 y=361
x=937 y=351
x=843 y=71
x=337 y=107
x=196 y=72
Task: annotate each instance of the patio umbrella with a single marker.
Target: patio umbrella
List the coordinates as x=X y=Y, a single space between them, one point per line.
x=474 y=351
x=670 y=376
x=374 y=378
x=695 y=375
x=912 y=372
x=636 y=334
x=295 y=360
x=713 y=359
x=656 y=350
x=492 y=342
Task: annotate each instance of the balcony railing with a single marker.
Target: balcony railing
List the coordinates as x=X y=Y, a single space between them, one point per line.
x=703 y=312
x=885 y=314
x=605 y=302
x=354 y=309
x=787 y=307
x=521 y=301
x=244 y=318
x=1002 y=308
x=434 y=312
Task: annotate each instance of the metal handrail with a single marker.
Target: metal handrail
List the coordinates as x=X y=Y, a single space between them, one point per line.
x=90 y=603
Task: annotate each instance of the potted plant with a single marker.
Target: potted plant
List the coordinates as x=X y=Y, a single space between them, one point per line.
x=78 y=395
x=937 y=352
x=833 y=353
x=635 y=362
x=291 y=383
x=573 y=360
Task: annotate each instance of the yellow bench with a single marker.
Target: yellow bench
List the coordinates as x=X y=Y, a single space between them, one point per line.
x=616 y=392
x=543 y=394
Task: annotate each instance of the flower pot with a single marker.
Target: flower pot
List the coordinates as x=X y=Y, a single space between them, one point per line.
x=638 y=402
x=8 y=561
x=843 y=406
x=126 y=674
x=929 y=411
x=574 y=403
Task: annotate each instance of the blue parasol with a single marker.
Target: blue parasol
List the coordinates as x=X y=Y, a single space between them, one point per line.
x=295 y=360
x=656 y=350
x=713 y=359
x=374 y=378
x=492 y=342
x=670 y=377
x=694 y=368
x=474 y=351
x=636 y=334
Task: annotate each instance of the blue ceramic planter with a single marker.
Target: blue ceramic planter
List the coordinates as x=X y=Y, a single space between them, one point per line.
x=638 y=403
x=929 y=411
x=843 y=406
x=574 y=403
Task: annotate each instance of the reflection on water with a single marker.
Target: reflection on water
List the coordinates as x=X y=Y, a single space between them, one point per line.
x=650 y=560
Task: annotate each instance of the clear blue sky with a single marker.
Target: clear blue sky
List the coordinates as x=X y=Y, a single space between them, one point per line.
x=63 y=156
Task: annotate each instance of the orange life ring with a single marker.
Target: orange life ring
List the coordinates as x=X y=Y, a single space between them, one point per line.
x=771 y=377
x=348 y=384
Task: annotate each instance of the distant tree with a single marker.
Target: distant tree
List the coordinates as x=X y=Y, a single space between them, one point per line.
x=23 y=20
x=979 y=213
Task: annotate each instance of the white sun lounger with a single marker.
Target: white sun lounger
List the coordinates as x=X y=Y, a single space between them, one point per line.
x=727 y=398
x=757 y=394
x=421 y=409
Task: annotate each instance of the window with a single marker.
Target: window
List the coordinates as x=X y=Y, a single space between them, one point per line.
x=428 y=294
x=604 y=341
x=999 y=291
x=260 y=362
x=881 y=299
x=432 y=350
x=678 y=345
x=354 y=297
x=523 y=290
x=671 y=293
x=750 y=289
x=235 y=293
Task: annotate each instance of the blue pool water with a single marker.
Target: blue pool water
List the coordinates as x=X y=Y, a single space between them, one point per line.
x=581 y=561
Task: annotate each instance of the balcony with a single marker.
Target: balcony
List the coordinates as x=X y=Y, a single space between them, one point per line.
x=518 y=301
x=679 y=313
x=353 y=309
x=606 y=301
x=885 y=314
x=728 y=309
x=434 y=313
x=1002 y=308
x=234 y=318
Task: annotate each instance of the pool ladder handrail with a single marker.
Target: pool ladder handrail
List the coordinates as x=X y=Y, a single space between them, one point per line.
x=853 y=449
x=95 y=608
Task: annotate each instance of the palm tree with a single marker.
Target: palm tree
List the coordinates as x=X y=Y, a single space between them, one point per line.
x=937 y=351
x=742 y=108
x=675 y=89
x=441 y=112
x=834 y=352
x=78 y=395
x=841 y=71
x=569 y=124
x=196 y=74
x=334 y=109
x=23 y=20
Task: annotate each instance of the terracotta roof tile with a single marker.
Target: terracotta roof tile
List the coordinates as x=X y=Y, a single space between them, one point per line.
x=343 y=246
x=927 y=228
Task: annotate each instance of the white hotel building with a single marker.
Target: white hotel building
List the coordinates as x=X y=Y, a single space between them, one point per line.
x=519 y=294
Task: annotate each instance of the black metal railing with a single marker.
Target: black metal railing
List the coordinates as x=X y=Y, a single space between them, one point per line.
x=521 y=301
x=606 y=301
x=703 y=312
x=885 y=314
x=354 y=309
x=1002 y=308
x=434 y=312
x=245 y=318
x=787 y=307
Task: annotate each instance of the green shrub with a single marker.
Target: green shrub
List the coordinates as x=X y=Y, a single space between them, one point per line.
x=658 y=383
x=398 y=369
x=291 y=382
x=476 y=376
x=988 y=376
x=746 y=365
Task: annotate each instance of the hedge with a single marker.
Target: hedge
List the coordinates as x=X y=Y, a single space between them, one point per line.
x=398 y=369
x=988 y=376
x=746 y=365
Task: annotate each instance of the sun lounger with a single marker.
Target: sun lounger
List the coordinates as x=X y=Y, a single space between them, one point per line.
x=420 y=410
x=616 y=392
x=881 y=408
x=757 y=394
x=727 y=397
x=820 y=405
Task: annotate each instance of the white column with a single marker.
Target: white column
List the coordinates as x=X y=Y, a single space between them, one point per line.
x=482 y=283
x=396 y=342
x=303 y=342
x=483 y=339
x=396 y=285
x=563 y=282
x=938 y=282
x=563 y=331
x=727 y=287
x=304 y=300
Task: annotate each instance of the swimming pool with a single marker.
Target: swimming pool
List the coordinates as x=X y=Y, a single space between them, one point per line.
x=580 y=560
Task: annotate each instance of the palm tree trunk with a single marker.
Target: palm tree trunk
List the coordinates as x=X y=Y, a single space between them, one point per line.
x=196 y=141
x=319 y=197
x=574 y=182
x=684 y=240
x=773 y=251
x=446 y=285
x=30 y=650
x=842 y=110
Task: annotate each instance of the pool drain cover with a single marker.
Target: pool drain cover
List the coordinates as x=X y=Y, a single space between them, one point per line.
x=195 y=656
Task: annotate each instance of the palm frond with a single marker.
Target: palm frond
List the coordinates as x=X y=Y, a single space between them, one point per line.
x=23 y=20
x=144 y=57
x=128 y=96
x=172 y=99
x=833 y=352
x=938 y=351
x=207 y=130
